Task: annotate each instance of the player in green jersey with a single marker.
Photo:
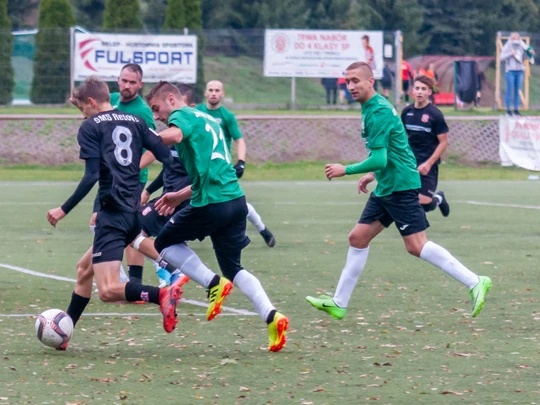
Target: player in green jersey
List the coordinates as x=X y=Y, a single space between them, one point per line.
x=395 y=199
x=217 y=210
x=214 y=94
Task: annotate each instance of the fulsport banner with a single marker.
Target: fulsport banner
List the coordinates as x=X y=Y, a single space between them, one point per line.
x=320 y=53
x=519 y=142
x=162 y=57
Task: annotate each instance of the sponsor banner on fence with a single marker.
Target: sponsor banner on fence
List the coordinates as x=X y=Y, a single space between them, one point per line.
x=162 y=57
x=318 y=53
x=519 y=143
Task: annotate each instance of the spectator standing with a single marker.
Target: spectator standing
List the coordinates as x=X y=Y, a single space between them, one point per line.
x=342 y=85
x=386 y=81
x=330 y=85
x=513 y=54
x=406 y=76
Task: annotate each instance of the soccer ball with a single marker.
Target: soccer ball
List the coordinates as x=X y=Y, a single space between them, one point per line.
x=54 y=328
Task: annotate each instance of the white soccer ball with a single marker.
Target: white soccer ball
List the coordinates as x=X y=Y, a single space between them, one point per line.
x=54 y=328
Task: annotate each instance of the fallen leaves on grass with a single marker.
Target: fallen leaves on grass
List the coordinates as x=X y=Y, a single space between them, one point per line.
x=451 y=393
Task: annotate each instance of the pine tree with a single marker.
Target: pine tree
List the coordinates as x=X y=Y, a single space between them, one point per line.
x=121 y=15
x=175 y=15
x=89 y=13
x=50 y=83
x=6 y=69
x=193 y=21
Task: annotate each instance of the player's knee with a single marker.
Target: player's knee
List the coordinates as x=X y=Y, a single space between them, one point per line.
x=106 y=295
x=413 y=248
x=84 y=270
x=357 y=240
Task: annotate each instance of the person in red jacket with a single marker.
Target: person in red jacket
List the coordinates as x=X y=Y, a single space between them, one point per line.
x=406 y=77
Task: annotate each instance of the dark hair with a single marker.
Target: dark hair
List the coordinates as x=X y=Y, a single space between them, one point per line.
x=362 y=66
x=133 y=67
x=428 y=81
x=187 y=92
x=161 y=89
x=366 y=37
x=94 y=88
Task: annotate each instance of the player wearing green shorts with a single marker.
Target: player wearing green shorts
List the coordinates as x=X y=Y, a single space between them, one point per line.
x=214 y=94
x=217 y=210
x=395 y=199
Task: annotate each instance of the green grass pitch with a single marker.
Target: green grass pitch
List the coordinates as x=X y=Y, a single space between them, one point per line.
x=408 y=337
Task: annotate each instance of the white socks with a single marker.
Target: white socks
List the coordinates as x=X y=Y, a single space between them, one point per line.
x=252 y=288
x=356 y=260
x=441 y=258
x=255 y=218
x=187 y=261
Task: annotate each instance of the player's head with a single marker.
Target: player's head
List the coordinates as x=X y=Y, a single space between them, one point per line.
x=91 y=96
x=163 y=99
x=359 y=79
x=187 y=93
x=214 y=93
x=130 y=81
x=422 y=88
x=365 y=41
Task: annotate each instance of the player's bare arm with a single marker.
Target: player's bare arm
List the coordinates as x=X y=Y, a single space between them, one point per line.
x=364 y=181
x=425 y=167
x=146 y=160
x=240 y=149
x=334 y=170
x=166 y=204
x=172 y=135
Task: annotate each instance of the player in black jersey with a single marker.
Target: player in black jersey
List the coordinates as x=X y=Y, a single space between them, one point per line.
x=428 y=138
x=111 y=144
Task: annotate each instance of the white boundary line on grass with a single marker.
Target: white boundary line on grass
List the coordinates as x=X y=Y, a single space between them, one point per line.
x=72 y=280
x=489 y=204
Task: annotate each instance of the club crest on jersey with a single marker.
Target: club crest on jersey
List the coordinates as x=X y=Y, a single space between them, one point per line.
x=146 y=210
x=425 y=118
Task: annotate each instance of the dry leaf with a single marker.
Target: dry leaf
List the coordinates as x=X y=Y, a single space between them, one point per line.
x=245 y=389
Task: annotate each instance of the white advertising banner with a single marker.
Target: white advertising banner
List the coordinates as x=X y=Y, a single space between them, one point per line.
x=320 y=53
x=162 y=57
x=519 y=143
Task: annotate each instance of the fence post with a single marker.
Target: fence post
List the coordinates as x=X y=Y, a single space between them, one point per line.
x=398 y=41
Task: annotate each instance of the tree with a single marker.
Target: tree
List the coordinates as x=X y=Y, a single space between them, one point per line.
x=51 y=81
x=153 y=12
x=175 y=15
x=89 y=13
x=121 y=14
x=6 y=69
x=193 y=21
x=18 y=11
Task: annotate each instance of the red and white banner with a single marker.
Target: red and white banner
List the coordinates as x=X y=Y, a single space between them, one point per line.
x=318 y=53
x=520 y=142
x=161 y=57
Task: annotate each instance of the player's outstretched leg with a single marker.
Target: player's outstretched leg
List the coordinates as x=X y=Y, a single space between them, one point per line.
x=257 y=222
x=186 y=260
x=277 y=322
x=443 y=259
x=442 y=203
x=337 y=306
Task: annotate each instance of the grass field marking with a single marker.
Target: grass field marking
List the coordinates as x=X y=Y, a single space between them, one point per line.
x=72 y=280
x=112 y=314
x=489 y=204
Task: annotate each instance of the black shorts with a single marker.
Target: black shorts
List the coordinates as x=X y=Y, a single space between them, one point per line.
x=225 y=223
x=401 y=207
x=429 y=181
x=114 y=231
x=151 y=222
x=343 y=86
x=386 y=85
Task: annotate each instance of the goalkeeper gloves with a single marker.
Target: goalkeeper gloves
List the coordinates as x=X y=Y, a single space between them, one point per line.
x=239 y=167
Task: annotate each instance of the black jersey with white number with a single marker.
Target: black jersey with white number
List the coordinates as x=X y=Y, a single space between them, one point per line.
x=423 y=125
x=118 y=139
x=175 y=176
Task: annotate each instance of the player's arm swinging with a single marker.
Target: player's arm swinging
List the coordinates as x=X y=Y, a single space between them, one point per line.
x=91 y=177
x=425 y=167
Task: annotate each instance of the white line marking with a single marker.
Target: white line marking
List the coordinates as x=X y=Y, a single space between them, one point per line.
x=489 y=204
x=72 y=280
x=105 y=314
